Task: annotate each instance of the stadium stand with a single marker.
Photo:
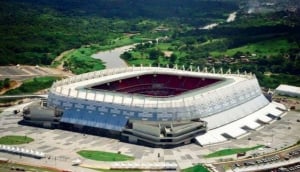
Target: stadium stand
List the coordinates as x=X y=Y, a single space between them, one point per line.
x=235 y=129
x=177 y=106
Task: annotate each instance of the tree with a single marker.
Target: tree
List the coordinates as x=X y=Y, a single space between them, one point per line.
x=126 y=55
x=173 y=58
x=238 y=55
x=154 y=54
x=1 y=84
x=6 y=82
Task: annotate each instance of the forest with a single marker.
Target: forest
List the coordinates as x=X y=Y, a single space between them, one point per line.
x=269 y=49
x=35 y=32
x=267 y=43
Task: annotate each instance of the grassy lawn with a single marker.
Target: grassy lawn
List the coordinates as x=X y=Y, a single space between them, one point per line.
x=165 y=46
x=258 y=20
x=15 y=140
x=196 y=168
x=211 y=41
x=103 y=156
x=263 y=48
x=33 y=85
x=226 y=152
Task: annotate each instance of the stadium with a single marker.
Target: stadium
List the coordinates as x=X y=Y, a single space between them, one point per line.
x=162 y=107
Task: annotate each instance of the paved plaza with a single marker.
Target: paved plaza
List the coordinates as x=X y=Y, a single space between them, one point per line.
x=61 y=146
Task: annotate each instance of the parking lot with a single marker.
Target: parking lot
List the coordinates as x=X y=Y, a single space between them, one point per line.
x=25 y=72
x=269 y=159
x=276 y=136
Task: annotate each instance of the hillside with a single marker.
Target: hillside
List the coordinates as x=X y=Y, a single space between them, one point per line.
x=35 y=32
x=263 y=39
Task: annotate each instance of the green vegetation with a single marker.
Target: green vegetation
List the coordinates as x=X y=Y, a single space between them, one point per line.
x=254 y=46
x=9 y=100
x=196 y=168
x=4 y=83
x=152 y=54
x=233 y=151
x=8 y=167
x=33 y=85
x=270 y=47
x=80 y=61
x=15 y=140
x=122 y=41
x=104 y=156
x=36 y=32
x=273 y=80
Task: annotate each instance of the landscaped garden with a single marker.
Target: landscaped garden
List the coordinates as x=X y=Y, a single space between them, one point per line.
x=196 y=168
x=15 y=140
x=104 y=156
x=231 y=151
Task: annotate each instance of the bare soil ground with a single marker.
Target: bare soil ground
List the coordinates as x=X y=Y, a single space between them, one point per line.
x=168 y=53
x=60 y=59
x=13 y=84
x=290 y=102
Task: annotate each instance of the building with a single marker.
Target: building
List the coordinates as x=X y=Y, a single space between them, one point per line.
x=288 y=90
x=162 y=106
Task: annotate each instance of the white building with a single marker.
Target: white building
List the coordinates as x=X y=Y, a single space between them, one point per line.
x=288 y=90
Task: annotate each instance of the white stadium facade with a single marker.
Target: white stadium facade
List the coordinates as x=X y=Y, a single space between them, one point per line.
x=163 y=107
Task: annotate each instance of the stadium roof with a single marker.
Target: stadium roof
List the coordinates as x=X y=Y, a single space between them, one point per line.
x=77 y=86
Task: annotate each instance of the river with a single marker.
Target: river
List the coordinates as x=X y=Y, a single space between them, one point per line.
x=231 y=18
x=111 y=58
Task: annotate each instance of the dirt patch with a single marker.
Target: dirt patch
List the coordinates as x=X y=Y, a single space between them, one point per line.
x=60 y=59
x=289 y=102
x=12 y=85
x=168 y=53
